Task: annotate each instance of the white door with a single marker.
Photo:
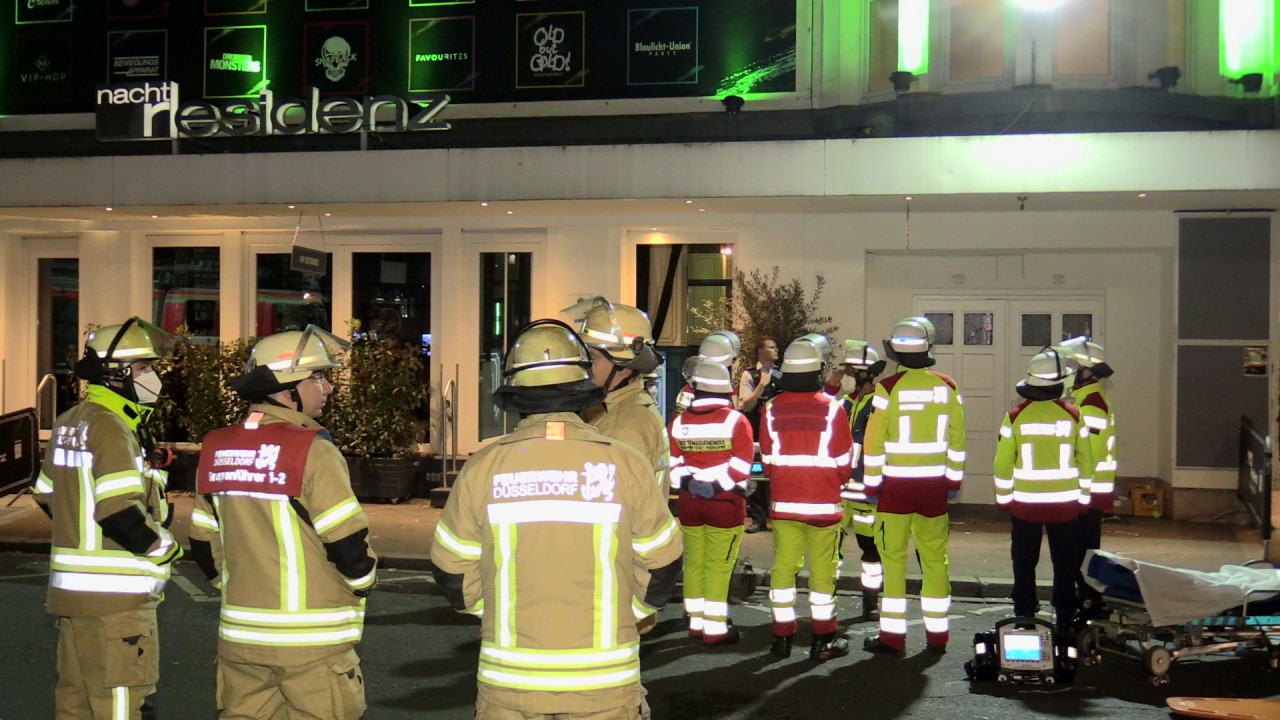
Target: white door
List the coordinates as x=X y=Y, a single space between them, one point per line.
x=985 y=343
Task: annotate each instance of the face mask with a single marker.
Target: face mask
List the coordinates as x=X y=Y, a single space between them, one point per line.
x=848 y=385
x=653 y=392
x=148 y=386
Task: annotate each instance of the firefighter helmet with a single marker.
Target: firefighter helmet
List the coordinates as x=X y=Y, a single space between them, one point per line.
x=1047 y=368
x=546 y=352
x=1084 y=351
x=621 y=332
x=723 y=346
x=912 y=335
x=110 y=349
x=804 y=355
x=711 y=376
x=859 y=353
x=294 y=355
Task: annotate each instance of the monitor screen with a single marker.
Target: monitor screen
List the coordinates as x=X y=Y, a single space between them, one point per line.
x=757 y=469
x=1020 y=646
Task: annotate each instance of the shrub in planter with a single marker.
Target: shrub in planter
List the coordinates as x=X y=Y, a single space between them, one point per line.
x=373 y=416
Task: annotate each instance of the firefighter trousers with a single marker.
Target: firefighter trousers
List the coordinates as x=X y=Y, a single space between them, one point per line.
x=1089 y=538
x=620 y=703
x=792 y=541
x=893 y=532
x=107 y=666
x=327 y=688
x=710 y=554
x=860 y=517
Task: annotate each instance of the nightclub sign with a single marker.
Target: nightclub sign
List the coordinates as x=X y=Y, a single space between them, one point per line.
x=154 y=111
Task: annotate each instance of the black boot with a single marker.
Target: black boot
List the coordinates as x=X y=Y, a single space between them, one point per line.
x=781 y=646
x=870 y=604
x=879 y=647
x=826 y=647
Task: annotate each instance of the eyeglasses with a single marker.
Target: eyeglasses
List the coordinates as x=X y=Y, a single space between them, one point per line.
x=320 y=379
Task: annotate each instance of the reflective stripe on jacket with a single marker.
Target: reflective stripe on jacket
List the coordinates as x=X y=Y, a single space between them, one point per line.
x=1098 y=416
x=805 y=447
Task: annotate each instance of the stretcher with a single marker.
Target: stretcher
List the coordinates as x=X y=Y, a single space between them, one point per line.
x=1160 y=615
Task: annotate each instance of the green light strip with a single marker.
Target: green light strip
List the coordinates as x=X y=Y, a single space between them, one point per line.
x=913 y=36
x=1246 y=37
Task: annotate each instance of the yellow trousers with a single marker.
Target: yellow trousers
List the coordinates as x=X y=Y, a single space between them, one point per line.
x=107 y=666
x=329 y=688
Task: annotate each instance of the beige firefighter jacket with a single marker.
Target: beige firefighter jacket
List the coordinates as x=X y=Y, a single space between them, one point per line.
x=93 y=469
x=554 y=529
x=629 y=414
x=279 y=589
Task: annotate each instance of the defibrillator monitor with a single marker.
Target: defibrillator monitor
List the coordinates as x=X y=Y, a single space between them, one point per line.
x=1022 y=647
x=1026 y=647
x=757 y=468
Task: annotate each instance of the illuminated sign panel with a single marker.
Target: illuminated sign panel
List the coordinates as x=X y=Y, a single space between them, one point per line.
x=234 y=7
x=551 y=50
x=662 y=46
x=325 y=5
x=137 y=9
x=442 y=54
x=235 y=61
x=135 y=55
x=41 y=70
x=337 y=57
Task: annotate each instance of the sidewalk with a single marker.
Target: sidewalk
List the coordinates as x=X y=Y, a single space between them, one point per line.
x=980 y=565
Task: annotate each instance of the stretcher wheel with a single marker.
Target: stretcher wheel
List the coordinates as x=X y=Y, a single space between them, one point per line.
x=1087 y=647
x=1157 y=661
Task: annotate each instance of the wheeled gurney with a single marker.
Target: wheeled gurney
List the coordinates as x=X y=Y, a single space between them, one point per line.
x=1160 y=614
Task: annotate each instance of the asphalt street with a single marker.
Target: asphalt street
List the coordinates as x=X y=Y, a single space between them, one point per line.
x=419 y=659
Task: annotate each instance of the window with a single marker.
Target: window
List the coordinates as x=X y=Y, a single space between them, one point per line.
x=977 y=39
x=288 y=299
x=943 y=327
x=978 y=329
x=1036 y=329
x=709 y=277
x=1077 y=324
x=506 y=281
x=883 y=35
x=391 y=296
x=184 y=291
x=1084 y=39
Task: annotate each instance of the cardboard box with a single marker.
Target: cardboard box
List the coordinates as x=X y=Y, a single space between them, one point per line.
x=1122 y=505
x=1147 y=500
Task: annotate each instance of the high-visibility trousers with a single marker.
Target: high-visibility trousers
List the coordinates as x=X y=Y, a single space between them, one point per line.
x=710 y=554
x=322 y=687
x=860 y=517
x=621 y=703
x=107 y=666
x=792 y=540
x=930 y=534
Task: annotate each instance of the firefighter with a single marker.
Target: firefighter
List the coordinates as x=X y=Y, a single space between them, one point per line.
x=620 y=342
x=913 y=458
x=1042 y=473
x=722 y=346
x=756 y=387
x=557 y=536
x=711 y=453
x=276 y=527
x=863 y=365
x=111 y=552
x=805 y=446
x=1097 y=414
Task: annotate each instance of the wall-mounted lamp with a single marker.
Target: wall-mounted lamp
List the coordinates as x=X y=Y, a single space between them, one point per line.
x=732 y=104
x=726 y=249
x=902 y=80
x=1167 y=76
x=1250 y=83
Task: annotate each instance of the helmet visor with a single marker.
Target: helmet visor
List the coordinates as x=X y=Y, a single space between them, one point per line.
x=607 y=335
x=318 y=349
x=137 y=340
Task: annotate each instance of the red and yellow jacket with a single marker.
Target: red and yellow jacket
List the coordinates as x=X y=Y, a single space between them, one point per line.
x=805 y=447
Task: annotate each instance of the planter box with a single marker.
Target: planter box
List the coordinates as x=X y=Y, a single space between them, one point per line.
x=386 y=479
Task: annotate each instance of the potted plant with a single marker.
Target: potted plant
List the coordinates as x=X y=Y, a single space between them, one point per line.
x=374 y=413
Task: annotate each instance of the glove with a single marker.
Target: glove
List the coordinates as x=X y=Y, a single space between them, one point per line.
x=702 y=489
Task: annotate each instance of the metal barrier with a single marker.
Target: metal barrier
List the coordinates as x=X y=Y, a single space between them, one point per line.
x=50 y=381
x=447 y=430
x=1253 y=479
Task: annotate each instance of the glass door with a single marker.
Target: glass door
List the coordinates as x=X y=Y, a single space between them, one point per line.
x=57 y=335
x=506 y=282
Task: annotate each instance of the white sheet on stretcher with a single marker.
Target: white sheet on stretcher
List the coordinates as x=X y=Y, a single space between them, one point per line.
x=1173 y=595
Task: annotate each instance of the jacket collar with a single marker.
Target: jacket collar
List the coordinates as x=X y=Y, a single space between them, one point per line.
x=131 y=412
x=280 y=414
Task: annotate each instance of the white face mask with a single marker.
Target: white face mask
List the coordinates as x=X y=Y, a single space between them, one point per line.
x=148 y=386
x=848 y=385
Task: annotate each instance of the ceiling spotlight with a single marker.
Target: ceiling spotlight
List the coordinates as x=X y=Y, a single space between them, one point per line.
x=155 y=217
x=1250 y=83
x=511 y=212
x=328 y=214
x=902 y=80
x=688 y=202
x=484 y=204
x=726 y=249
x=111 y=209
x=653 y=229
x=1141 y=195
x=732 y=104
x=702 y=209
x=907 y=198
x=1167 y=76
x=293 y=207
